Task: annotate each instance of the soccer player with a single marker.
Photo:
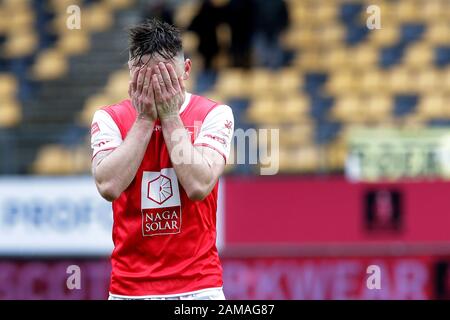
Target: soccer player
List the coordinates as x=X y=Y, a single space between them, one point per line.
x=158 y=156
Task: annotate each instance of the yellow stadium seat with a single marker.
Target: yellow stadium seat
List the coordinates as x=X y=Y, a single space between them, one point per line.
x=400 y=80
x=119 y=4
x=384 y=37
x=262 y=110
x=286 y=81
x=97 y=17
x=190 y=42
x=302 y=38
x=8 y=85
x=446 y=79
x=16 y=3
x=81 y=158
x=309 y=61
x=432 y=106
x=232 y=83
x=93 y=104
x=185 y=13
x=10 y=112
x=363 y=56
x=292 y=108
x=348 y=108
x=20 y=19
x=432 y=10
x=419 y=55
x=303 y=159
x=60 y=6
x=52 y=160
x=324 y=12
x=438 y=33
x=299 y=13
x=298 y=134
x=336 y=154
x=118 y=84
x=50 y=64
x=74 y=43
x=407 y=11
x=20 y=44
x=377 y=107
x=341 y=81
x=335 y=58
x=330 y=34
x=427 y=80
x=372 y=80
x=259 y=81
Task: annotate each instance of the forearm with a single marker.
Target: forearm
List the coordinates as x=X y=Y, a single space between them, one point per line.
x=115 y=172
x=194 y=171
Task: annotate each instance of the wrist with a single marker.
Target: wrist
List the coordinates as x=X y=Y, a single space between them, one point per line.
x=145 y=124
x=169 y=118
x=145 y=117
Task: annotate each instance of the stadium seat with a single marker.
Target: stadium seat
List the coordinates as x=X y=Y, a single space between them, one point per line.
x=372 y=80
x=97 y=17
x=74 y=43
x=286 y=81
x=298 y=134
x=117 y=85
x=232 y=83
x=259 y=80
x=377 y=107
x=300 y=159
x=340 y=82
x=407 y=11
x=50 y=64
x=348 y=108
x=419 y=55
x=20 y=44
x=292 y=108
x=92 y=104
x=427 y=80
x=384 y=37
x=363 y=56
x=10 y=112
x=53 y=160
x=399 y=80
x=119 y=4
x=432 y=106
x=438 y=33
x=8 y=85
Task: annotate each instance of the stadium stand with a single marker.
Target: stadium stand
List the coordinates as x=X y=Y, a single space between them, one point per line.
x=340 y=74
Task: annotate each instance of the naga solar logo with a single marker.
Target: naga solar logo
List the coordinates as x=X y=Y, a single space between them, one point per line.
x=160 y=203
x=160 y=189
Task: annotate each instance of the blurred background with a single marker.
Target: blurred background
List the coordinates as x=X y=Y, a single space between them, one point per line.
x=363 y=114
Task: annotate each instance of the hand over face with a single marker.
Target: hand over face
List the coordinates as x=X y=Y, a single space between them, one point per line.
x=141 y=94
x=168 y=90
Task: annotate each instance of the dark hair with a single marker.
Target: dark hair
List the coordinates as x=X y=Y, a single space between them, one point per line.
x=155 y=37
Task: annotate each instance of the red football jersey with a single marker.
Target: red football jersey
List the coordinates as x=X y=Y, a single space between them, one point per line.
x=164 y=242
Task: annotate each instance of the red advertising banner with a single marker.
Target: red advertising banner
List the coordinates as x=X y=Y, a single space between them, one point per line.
x=329 y=278
x=409 y=277
x=288 y=211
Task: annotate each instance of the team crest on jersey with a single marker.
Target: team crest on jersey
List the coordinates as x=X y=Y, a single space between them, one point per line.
x=160 y=203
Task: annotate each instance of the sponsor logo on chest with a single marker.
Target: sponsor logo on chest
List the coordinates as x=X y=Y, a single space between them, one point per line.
x=160 y=203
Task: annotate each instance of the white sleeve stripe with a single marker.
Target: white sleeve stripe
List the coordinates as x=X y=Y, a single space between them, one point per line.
x=105 y=133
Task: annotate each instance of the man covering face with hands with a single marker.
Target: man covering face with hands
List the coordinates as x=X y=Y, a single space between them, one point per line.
x=158 y=156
